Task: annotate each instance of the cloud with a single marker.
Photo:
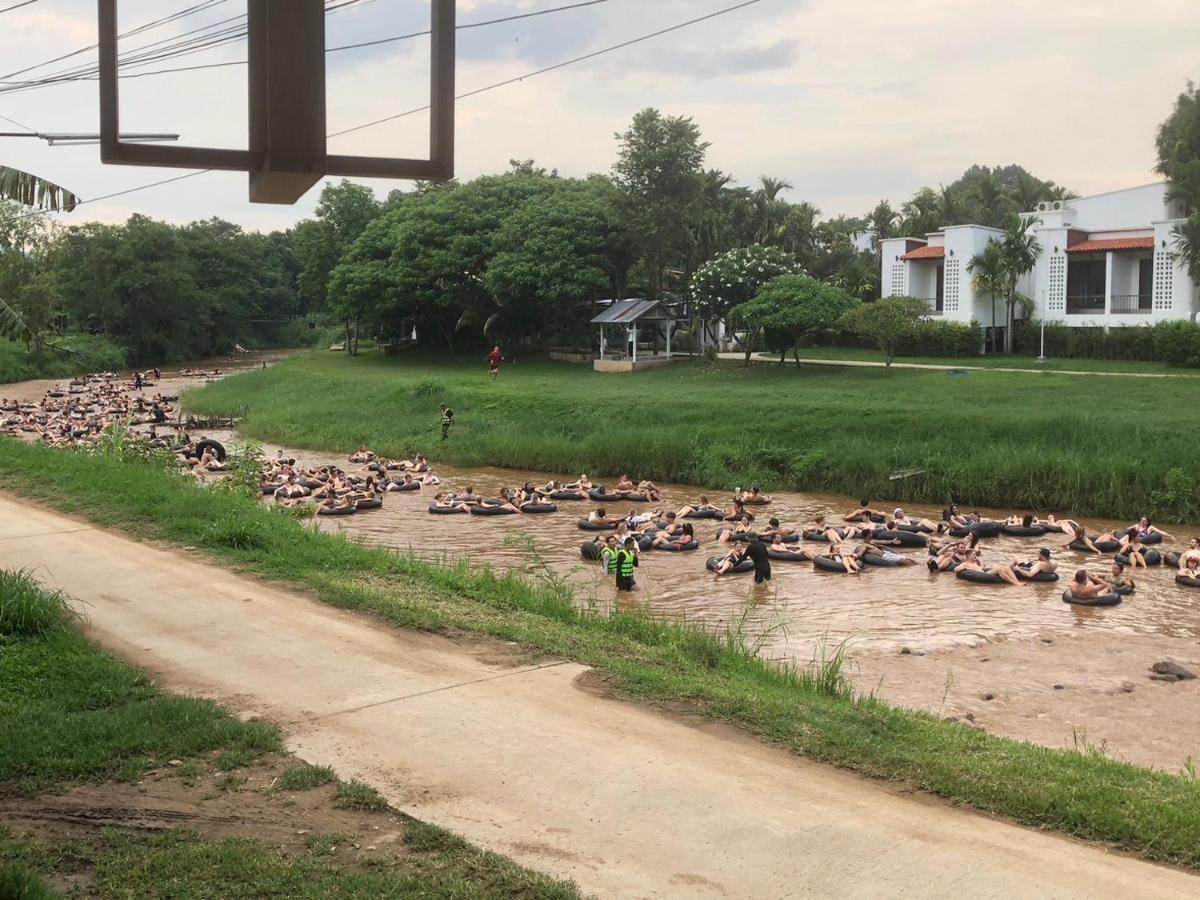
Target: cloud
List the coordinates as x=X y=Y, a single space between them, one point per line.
x=850 y=102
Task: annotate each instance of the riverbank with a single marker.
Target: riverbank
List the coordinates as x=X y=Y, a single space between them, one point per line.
x=808 y=710
x=1086 y=446
x=79 y=354
x=530 y=756
x=1001 y=362
x=111 y=787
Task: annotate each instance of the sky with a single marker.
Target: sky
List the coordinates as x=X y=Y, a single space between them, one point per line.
x=851 y=101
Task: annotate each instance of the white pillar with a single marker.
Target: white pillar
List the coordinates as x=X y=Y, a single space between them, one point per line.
x=602 y=342
x=670 y=328
x=635 y=342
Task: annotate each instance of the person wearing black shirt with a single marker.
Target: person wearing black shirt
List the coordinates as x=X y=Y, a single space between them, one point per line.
x=757 y=551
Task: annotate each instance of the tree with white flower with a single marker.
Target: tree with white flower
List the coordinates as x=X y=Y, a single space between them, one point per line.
x=736 y=277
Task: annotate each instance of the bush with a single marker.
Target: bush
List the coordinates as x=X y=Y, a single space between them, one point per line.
x=29 y=610
x=936 y=338
x=1177 y=343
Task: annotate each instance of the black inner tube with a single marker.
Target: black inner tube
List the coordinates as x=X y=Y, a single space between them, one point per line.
x=979 y=577
x=215 y=446
x=1102 y=600
x=828 y=564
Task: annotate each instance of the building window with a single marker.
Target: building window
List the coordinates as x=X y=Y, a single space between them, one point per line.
x=1086 y=280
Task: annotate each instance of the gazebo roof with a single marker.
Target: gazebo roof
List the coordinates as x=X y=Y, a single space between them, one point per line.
x=625 y=312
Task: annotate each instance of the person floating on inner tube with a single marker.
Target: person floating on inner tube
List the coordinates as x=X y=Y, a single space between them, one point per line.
x=626 y=561
x=1144 y=528
x=1086 y=586
x=447 y=421
x=1118 y=580
x=841 y=553
x=731 y=560
x=864 y=513
x=754 y=497
x=890 y=556
x=1029 y=568
x=972 y=562
x=1132 y=547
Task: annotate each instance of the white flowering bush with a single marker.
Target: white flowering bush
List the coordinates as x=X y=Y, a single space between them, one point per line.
x=736 y=277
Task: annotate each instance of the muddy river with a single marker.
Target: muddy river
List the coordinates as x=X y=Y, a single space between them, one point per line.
x=1014 y=660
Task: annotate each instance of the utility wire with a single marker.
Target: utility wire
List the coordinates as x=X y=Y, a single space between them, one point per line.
x=18 y=6
x=474 y=93
x=234 y=34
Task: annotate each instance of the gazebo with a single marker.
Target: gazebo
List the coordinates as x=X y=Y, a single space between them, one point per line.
x=651 y=319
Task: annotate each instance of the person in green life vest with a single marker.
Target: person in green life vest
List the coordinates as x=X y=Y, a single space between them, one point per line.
x=625 y=562
x=608 y=555
x=447 y=420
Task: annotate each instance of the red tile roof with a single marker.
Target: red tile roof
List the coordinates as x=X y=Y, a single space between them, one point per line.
x=925 y=253
x=1113 y=246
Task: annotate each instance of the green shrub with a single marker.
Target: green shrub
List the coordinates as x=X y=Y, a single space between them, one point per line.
x=29 y=610
x=937 y=338
x=1178 y=343
x=18 y=884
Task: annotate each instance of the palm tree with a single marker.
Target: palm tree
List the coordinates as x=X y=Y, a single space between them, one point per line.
x=1021 y=251
x=30 y=190
x=1187 y=244
x=770 y=210
x=989 y=275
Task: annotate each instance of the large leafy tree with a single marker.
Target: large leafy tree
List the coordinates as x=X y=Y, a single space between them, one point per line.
x=562 y=248
x=343 y=213
x=660 y=169
x=28 y=301
x=1178 y=144
x=790 y=308
x=989 y=276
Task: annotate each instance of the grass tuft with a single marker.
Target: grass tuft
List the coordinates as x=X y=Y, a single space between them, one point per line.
x=305 y=778
x=356 y=795
x=17 y=883
x=29 y=610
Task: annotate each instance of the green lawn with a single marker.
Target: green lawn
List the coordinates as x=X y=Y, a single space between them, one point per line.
x=1068 y=444
x=70 y=712
x=808 y=710
x=859 y=354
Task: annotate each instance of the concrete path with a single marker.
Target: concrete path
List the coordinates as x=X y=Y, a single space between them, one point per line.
x=866 y=364
x=527 y=761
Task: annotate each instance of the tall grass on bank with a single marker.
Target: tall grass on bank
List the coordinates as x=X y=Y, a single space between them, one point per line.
x=78 y=354
x=1073 y=445
x=1154 y=813
x=29 y=610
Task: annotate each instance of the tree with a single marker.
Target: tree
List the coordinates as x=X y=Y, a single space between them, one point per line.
x=989 y=277
x=30 y=190
x=887 y=323
x=343 y=213
x=792 y=307
x=1021 y=250
x=660 y=170
x=28 y=301
x=736 y=277
x=1178 y=144
x=561 y=248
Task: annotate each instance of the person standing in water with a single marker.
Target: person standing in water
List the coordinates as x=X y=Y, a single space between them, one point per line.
x=625 y=562
x=447 y=421
x=494 y=360
x=757 y=551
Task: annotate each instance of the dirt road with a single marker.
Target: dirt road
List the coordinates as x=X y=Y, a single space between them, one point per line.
x=523 y=760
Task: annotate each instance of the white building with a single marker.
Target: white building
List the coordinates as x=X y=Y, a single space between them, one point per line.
x=1106 y=260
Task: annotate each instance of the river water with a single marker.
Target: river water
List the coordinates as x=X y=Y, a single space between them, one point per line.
x=1017 y=661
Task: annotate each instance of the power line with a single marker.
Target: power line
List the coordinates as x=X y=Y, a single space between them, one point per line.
x=562 y=65
x=18 y=6
x=228 y=36
x=473 y=93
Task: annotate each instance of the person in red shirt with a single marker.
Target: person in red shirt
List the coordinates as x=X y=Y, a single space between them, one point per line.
x=494 y=359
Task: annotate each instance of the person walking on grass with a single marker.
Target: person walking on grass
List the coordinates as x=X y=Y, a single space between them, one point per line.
x=447 y=421
x=625 y=562
x=494 y=360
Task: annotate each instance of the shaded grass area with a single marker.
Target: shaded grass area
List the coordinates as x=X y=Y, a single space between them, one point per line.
x=1128 y=366
x=80 y=354
x=803 y=709
x=1073 y=445
x=71 y=712
x=126 y=864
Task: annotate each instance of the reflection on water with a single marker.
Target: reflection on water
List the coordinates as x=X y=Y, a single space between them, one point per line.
x=881 y=610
